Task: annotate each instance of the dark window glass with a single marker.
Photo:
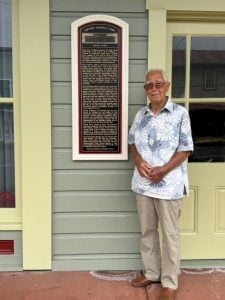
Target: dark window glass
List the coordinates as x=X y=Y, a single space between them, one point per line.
x=207 y=75
x=178 y=66
x=180 y=103
x=5 y=49
x=7 y=177
x=208 y=130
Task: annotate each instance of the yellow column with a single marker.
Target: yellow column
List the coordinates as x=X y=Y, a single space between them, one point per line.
x=157 y=39
x=35 y=133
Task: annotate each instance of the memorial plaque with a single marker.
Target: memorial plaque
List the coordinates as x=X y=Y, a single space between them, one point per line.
x=101 y=110
x=100 y=107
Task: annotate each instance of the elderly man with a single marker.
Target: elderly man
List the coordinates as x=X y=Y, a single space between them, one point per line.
x=160 y=142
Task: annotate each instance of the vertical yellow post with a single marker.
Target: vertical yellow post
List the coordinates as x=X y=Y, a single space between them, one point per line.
x=157 y=39
x=35 y=133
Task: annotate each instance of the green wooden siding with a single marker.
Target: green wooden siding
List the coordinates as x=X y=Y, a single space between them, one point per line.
x=95 y=223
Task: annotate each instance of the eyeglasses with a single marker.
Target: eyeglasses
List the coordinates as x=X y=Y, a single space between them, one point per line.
x=149 y=85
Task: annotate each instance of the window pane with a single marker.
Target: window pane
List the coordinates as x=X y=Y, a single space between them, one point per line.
x=208 y=130
x=178 y=66
x=7 y=180
x=5 y=49
x=207 y=76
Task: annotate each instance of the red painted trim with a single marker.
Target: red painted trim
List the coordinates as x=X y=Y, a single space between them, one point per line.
x=6 y=247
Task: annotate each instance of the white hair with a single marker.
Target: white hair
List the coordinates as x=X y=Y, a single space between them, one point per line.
x=155 y=70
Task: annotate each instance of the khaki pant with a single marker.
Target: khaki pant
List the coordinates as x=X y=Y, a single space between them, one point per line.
x=165 y=266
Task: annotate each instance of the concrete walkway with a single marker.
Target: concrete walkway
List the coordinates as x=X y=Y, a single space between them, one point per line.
x=194 y=285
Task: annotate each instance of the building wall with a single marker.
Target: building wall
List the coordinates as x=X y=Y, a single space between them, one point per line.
x=95 y=224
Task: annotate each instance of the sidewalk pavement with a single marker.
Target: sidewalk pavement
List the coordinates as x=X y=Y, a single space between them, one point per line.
x=198 y=284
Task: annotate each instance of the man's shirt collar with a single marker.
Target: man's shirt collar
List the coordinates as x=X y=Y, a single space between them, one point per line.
x=168 y=106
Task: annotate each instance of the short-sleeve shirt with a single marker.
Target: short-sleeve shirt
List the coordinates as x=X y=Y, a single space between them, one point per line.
x=157 y=138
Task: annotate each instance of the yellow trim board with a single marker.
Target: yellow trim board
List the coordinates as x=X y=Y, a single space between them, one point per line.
x=157 y=36
x=199 y=5
x=35 y=133
x=196 y=16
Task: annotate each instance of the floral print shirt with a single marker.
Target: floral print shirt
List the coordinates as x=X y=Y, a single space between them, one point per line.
x=157 y=138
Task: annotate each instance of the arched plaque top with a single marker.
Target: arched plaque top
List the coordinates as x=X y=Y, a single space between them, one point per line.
x=104 y=18
x=99 y=88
